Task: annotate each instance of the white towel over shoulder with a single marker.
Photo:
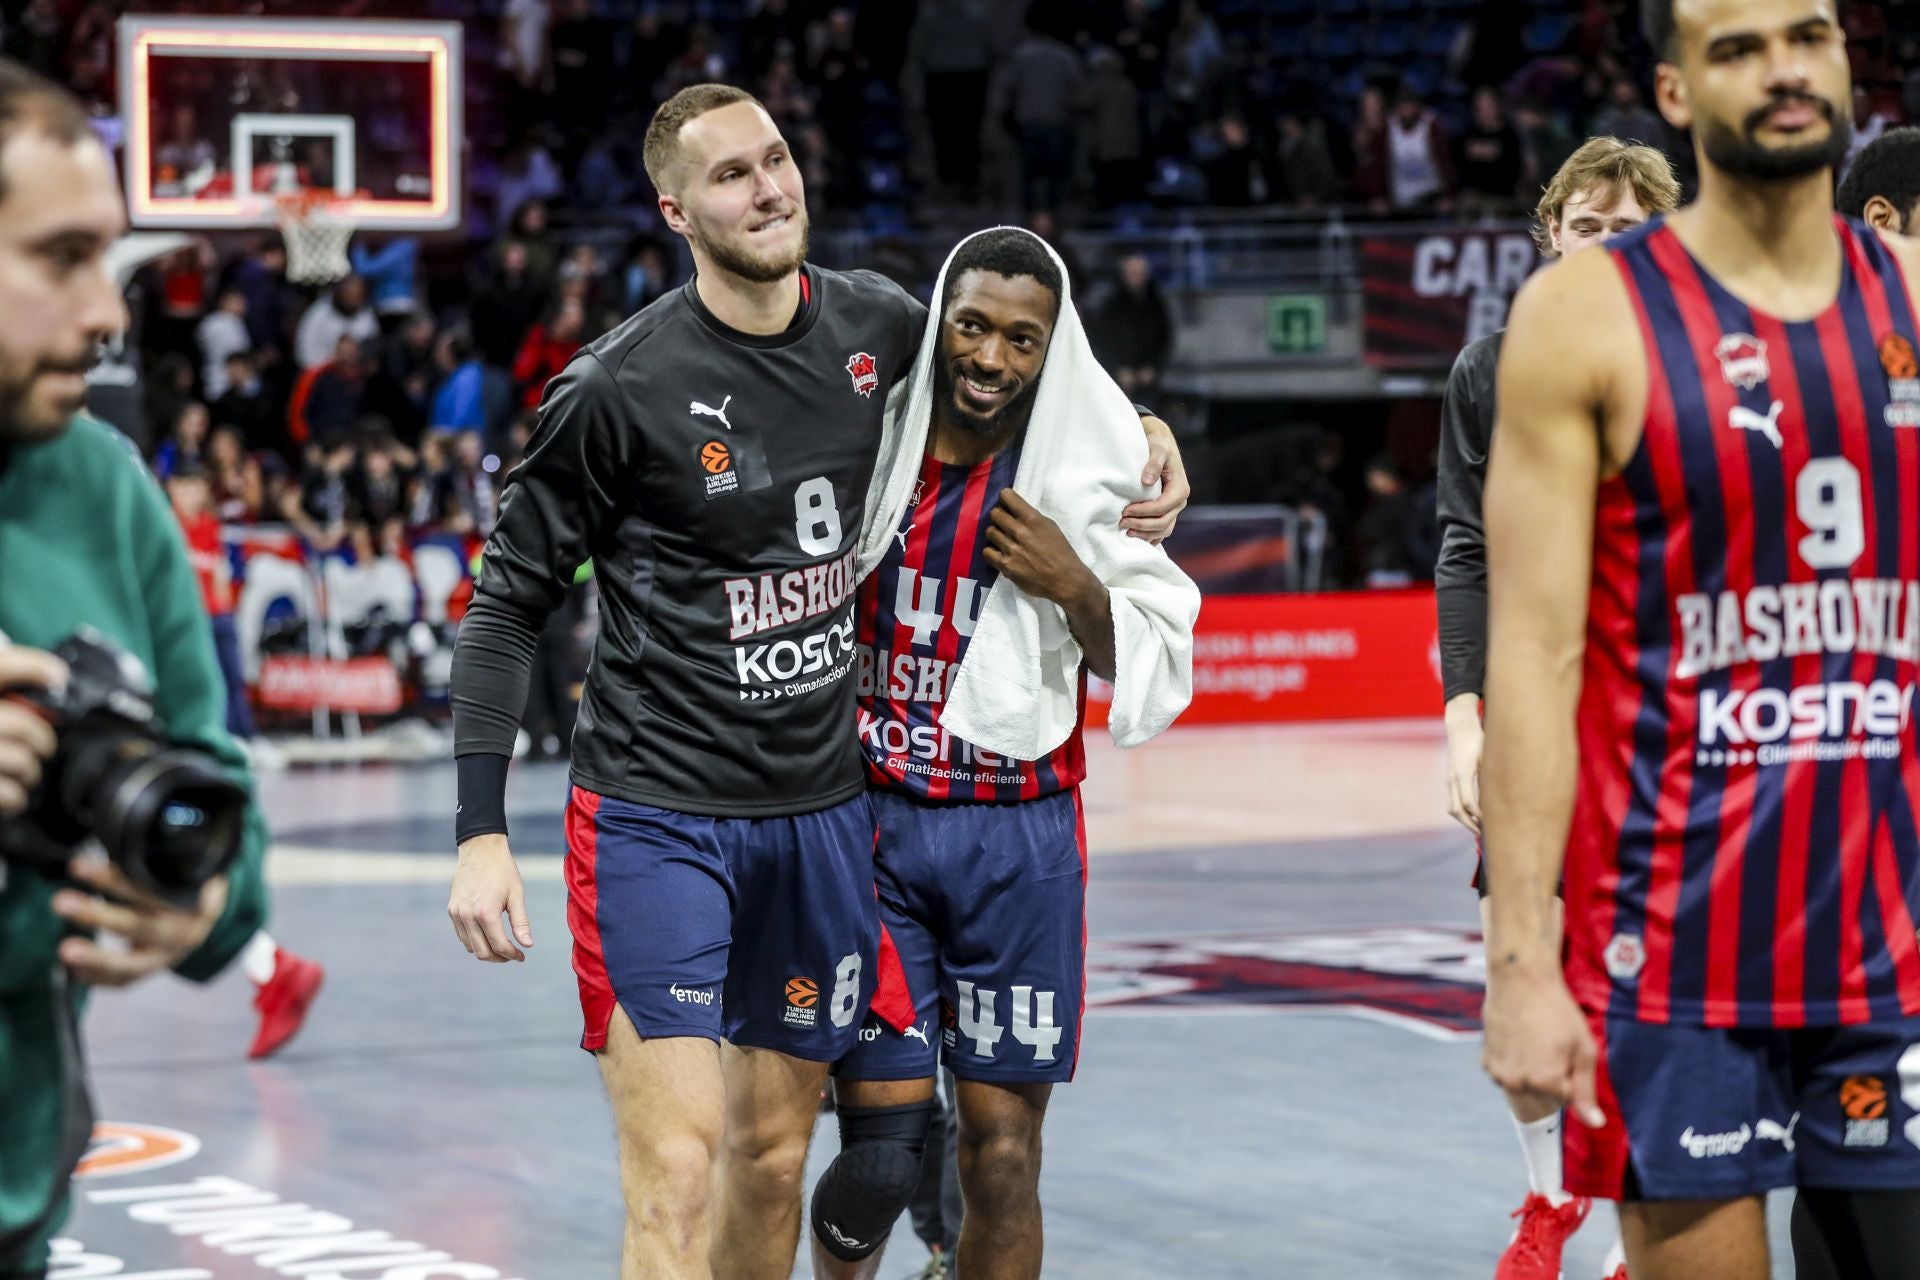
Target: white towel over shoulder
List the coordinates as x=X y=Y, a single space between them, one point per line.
x=1017 y=691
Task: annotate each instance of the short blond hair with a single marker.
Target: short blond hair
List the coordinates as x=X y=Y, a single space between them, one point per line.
x=1612 y=166
x=660 y=153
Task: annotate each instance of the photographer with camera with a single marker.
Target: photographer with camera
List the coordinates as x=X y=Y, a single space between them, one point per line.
x=128 y=840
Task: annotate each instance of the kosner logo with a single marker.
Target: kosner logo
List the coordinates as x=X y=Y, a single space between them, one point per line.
x=1840 y=709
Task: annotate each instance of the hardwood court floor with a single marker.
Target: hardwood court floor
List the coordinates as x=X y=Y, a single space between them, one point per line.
x=1280 y=1076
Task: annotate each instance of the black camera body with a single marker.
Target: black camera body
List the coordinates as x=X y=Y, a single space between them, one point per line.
x=169 y=818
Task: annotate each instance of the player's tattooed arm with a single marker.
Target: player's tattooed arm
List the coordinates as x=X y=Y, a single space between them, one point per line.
x=1555 y=389
x=1029 y=549
x=1153 y=519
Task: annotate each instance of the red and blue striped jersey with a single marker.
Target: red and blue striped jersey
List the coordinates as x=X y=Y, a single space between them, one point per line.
x=1743 y=850
x=917 y=612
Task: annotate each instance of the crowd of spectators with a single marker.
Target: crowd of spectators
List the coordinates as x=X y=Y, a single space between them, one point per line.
x=362 y=424
x=1086 y=109
x=361 y=418
x=390 y=404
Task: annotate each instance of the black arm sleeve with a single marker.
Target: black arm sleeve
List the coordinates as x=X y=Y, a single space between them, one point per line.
x=482 y=810
x=1460 y=578
x=551 y=513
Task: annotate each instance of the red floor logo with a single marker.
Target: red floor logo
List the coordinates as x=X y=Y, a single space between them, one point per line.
x=1429 y=980
x=134 y=1148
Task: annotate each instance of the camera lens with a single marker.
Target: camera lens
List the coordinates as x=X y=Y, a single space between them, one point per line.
x=172 y=822
x=169 y=817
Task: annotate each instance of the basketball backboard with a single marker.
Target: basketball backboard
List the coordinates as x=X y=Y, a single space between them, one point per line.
x=225 y=114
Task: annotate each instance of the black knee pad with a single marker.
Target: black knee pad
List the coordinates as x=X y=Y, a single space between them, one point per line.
x=868 y=1185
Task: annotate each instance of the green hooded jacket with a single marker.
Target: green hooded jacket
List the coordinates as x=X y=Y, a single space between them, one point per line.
x=88 y=538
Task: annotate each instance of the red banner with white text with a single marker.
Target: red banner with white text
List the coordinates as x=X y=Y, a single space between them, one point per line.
x=369 y=686
x=1371 y=655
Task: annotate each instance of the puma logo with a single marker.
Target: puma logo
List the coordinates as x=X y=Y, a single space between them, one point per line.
x=1774 y=1131
x=906 y=526
x=699 y=410
x=1742 y=418
x=920 y=1034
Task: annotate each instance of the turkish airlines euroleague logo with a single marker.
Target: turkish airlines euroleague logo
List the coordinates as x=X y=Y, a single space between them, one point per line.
x=1902 y=368
x=803 y=999
x=119 y=1149
x=717 y=461
x=1863 y=1105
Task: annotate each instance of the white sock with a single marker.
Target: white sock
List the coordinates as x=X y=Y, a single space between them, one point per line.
x=1616 y=1258
x=257 y=962
x=1540 y=1143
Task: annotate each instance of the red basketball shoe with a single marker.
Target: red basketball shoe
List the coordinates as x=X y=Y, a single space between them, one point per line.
x=283 y=999
x=1534 y=1253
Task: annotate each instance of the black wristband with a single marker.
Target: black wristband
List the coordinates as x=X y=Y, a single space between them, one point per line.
x=482 y=809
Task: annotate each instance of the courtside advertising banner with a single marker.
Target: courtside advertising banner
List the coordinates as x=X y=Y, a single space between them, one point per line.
x=1272 y=659
x=368 y=686
x=1429 y=293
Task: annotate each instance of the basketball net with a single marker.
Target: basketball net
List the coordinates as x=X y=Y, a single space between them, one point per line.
x=316 y=228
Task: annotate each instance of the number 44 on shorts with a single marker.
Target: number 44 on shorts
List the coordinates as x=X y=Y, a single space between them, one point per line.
x=1032 y=1016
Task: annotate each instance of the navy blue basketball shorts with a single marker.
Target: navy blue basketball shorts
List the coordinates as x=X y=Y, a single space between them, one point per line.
x=759 y=931
x=1716 y=1113
x=987 y=908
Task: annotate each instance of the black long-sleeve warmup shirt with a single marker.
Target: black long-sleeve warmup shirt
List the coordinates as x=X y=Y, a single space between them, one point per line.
x=718 y=481
x=1460 y=578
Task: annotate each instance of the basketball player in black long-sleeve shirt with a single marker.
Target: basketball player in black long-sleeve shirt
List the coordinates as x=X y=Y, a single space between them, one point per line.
x=712 y=457
x=1605 y=188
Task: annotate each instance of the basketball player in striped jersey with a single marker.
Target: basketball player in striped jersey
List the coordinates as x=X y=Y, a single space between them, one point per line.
x=1605 y=189
x=980 y=858
x=1704 y=539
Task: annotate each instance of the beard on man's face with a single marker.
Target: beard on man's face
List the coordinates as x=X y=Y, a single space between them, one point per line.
x=28 y=411
x=946 y=391
x=1741 y=154
x=733 y=256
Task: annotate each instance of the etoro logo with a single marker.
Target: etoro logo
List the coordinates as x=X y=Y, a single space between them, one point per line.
x=119 y=1149
x=1711 y=1146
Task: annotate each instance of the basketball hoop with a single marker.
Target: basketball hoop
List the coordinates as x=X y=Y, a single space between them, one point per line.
x=316 y=227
